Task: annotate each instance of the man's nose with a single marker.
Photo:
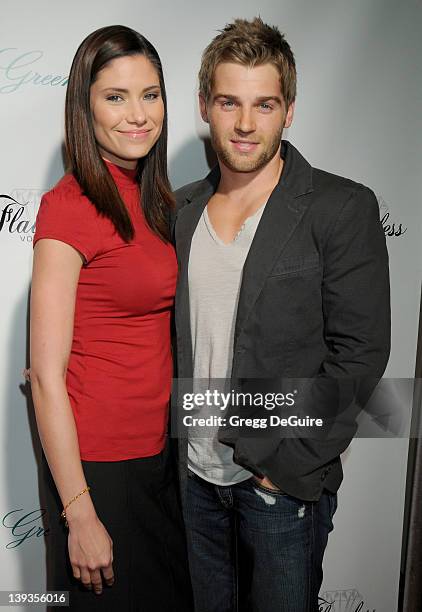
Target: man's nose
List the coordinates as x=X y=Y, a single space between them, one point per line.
x=245 y=122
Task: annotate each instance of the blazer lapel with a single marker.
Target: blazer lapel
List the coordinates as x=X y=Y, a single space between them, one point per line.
x=283 y=212
x=189 y=215
x=278 y=222
x=187 y=220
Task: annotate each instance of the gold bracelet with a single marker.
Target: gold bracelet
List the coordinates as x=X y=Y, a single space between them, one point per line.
x=63 y=514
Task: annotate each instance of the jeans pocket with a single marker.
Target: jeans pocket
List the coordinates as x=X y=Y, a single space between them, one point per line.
x=255 y=483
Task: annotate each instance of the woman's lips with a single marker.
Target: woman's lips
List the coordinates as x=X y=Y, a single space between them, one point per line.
x=135 y=134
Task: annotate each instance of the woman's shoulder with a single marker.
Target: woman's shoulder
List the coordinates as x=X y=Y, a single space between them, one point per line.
x=67 y=197
x=66 y=204
x=66 y=214
x=65 y=189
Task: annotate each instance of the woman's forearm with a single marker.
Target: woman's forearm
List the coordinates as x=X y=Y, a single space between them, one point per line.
x=57 y=430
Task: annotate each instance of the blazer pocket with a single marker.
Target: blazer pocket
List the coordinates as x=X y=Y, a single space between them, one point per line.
x=296 y=265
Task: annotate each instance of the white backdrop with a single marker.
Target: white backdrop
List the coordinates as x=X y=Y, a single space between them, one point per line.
x=357 y=114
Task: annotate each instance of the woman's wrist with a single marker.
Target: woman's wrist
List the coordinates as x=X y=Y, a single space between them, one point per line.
x=81 y=510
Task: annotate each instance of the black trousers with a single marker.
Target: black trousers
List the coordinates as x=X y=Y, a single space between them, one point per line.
x=138 y=504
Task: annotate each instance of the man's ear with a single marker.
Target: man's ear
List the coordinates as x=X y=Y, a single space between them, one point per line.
x=289 y=116
x=203 y=107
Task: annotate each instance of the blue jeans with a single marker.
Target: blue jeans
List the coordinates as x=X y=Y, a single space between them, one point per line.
x=255 y=550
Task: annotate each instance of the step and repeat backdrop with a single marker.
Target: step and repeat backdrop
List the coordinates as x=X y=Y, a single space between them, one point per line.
x=357 y=114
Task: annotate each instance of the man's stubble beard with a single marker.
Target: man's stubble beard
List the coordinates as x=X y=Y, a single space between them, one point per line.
x=239 y=163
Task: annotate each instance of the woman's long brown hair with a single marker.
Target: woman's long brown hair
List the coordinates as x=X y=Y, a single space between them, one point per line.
x=89 y=169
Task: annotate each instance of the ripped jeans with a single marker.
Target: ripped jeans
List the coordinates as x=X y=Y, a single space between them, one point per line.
x=255 y=550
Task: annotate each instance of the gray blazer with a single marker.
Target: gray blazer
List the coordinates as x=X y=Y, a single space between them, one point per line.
x=314 y=303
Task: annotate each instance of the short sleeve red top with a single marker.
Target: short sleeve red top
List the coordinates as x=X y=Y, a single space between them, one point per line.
x=120 y=367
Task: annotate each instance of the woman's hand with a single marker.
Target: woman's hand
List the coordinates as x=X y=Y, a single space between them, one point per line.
x=91 y=553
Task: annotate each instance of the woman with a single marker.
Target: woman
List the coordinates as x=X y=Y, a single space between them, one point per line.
x=102 y=291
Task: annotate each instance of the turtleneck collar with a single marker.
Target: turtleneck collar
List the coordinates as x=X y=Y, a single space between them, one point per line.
x=123 y=177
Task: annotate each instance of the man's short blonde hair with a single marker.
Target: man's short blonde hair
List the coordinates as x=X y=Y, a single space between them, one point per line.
x=250 y=43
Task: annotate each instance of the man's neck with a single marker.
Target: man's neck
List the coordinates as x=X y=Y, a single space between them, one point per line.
x=241 y=185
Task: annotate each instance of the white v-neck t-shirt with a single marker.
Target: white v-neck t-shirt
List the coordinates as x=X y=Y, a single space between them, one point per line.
x=215 y=276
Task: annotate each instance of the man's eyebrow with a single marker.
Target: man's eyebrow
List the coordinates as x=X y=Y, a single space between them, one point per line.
x=228 y=96
x=125 y=91
x=268 y=98
x=259 y=100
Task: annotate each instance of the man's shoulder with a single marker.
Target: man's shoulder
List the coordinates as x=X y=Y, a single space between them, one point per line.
x=335 y=193
x=186 y=193
x=327 y=182
x=197 y=189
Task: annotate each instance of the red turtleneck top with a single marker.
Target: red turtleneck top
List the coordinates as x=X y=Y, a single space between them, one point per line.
x=120 y=367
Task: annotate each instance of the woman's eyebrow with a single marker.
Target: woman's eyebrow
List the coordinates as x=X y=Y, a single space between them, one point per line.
x=122 y=90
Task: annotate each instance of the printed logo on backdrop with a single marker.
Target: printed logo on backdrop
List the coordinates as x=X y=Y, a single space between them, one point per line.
x=342 y=600
x=391 y=227
x=20 y=68
x=17 y=213
x=23 y=526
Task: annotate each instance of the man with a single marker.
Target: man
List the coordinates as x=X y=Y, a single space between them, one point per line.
x=283 y=273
